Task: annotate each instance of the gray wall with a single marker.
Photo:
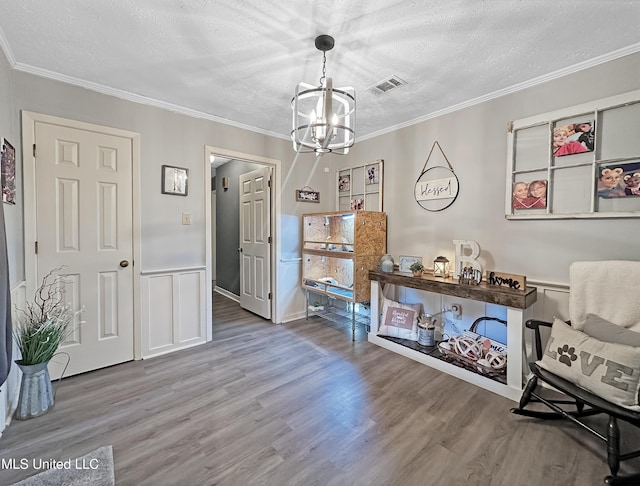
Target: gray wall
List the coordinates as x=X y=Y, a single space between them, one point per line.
x=10 y=129
x=166 y=138
x=475 y=142
x=228 y=224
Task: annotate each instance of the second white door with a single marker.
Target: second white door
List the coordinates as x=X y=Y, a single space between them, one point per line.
x=255 y=242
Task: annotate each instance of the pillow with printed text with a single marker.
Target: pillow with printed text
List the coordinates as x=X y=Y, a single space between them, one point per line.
x=399 y=320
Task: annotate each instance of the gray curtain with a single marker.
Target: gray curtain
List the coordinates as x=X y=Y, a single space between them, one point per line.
x=6 y=342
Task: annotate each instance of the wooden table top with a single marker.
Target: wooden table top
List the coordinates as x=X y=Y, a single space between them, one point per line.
x=518 y=299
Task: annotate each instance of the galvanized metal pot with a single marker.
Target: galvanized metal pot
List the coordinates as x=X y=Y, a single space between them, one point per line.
x=36 y=393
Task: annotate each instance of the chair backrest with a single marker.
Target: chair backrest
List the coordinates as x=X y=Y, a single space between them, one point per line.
x=609 y=289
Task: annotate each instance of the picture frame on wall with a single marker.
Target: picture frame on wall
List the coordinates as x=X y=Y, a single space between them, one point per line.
x=8 y=168
x=307 y=195
x=175 y=180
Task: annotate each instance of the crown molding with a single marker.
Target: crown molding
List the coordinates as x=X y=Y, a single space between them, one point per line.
x=6 y=48
x=135 y=98
x=611 y=56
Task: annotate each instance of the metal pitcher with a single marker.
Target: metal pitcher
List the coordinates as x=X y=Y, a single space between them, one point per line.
x=427 y=330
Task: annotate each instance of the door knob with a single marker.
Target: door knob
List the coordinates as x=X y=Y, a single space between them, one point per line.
x=124 y=263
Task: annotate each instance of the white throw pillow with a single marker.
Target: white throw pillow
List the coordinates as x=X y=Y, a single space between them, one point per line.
x=609 y=370
x=399 y=320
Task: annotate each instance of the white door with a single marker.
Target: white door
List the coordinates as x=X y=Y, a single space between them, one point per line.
x=255 y=242
x=84 y=222
x=213 y=235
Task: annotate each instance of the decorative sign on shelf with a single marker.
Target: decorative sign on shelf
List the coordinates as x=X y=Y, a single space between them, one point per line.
x=437 y=187
x=470 y=276
x=501 y=279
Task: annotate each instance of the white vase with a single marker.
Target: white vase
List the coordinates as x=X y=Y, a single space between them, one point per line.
x=386 y=263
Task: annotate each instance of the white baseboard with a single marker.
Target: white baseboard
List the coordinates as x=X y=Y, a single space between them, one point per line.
x=226 y=293
x=294 y=317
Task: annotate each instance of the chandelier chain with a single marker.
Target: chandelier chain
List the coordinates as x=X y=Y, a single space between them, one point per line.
x=324 y=68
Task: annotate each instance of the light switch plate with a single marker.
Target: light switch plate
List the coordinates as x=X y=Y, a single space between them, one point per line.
x=186 y=218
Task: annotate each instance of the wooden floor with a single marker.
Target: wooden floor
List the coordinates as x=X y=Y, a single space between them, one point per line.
x=298 y=404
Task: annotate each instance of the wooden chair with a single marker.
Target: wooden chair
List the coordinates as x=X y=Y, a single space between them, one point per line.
x=596 y=289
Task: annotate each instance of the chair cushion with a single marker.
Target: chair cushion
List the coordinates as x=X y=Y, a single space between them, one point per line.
x=599 y=328
x=399 y=320
x=609 y=370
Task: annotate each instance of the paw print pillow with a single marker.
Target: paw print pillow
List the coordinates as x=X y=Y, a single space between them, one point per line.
x=609 y=370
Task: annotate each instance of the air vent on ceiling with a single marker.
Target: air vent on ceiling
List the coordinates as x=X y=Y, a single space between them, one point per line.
x=387 y=85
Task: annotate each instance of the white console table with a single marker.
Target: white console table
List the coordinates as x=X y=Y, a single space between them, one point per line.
x=517 y=303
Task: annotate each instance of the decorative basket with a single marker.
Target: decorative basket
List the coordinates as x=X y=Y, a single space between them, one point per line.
x=475 y=351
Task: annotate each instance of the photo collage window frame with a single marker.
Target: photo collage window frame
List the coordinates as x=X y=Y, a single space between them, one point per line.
x=587 y=181
x=360 y=187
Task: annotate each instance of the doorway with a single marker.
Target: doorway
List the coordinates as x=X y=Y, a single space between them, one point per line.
x=253 y=161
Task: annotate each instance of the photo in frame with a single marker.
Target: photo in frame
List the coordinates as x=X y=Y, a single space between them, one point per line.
x=618 y=180
x=574 y=138
x=372 y=174
x=530 y=195
x=356 y=204
x=8 y=164
x=344 y=183
x=405 y=263
x=175 y=180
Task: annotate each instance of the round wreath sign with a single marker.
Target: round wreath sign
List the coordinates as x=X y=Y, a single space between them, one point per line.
x=437 y=187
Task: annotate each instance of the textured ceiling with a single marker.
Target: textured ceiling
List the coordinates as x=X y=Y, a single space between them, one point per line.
x=241 y=60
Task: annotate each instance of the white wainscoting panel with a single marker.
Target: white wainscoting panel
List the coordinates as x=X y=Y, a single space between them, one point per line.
x=173 y=310
x=553 y=301
x=10 y=389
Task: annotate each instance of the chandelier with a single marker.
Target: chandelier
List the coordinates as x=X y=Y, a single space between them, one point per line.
x=323 y=116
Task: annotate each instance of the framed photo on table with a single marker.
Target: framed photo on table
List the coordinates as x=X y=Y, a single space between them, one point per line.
x=406 y=262
x=175 y=180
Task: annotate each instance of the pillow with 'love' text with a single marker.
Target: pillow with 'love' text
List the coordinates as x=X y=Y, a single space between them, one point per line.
x=609 y=370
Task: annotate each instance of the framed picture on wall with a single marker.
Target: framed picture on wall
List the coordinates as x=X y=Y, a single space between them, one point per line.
x=307 y=195
x=175 y=180
x=8 y=163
